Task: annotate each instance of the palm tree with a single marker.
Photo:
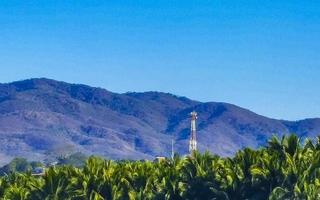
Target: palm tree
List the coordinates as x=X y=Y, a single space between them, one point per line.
x=54 y=185
x=284 y=169
x=198 y=178
x=15 y=192
x=167 y=179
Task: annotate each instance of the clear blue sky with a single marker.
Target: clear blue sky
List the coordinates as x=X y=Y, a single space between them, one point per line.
x=261 y=55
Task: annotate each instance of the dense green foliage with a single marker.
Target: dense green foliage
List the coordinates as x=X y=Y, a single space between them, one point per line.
x=284 y=169
x=19 y=165
x=23 y=165
x=77 y=159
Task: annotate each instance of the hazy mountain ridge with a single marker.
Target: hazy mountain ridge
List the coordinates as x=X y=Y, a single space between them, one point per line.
x=42 y=118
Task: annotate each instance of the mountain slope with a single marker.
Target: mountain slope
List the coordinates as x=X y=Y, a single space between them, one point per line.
x=43 y=118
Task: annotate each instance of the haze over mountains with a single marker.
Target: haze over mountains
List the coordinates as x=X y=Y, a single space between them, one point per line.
x=43 y=118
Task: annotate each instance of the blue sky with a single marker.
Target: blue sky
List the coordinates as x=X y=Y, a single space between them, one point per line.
x=261 y=55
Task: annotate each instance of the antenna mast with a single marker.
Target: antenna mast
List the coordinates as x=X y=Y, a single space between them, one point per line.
x=193 y=138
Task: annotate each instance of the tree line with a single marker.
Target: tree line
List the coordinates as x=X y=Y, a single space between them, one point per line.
x=283 y=169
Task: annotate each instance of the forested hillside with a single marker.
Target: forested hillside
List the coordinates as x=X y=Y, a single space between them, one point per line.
x=42 y=119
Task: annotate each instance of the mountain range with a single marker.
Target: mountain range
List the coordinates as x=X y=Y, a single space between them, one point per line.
x=41 y=119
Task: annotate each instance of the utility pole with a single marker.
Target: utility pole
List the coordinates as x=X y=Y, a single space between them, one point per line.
x=172 y=149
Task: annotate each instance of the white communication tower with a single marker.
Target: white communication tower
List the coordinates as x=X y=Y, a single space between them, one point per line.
x=193 y=137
